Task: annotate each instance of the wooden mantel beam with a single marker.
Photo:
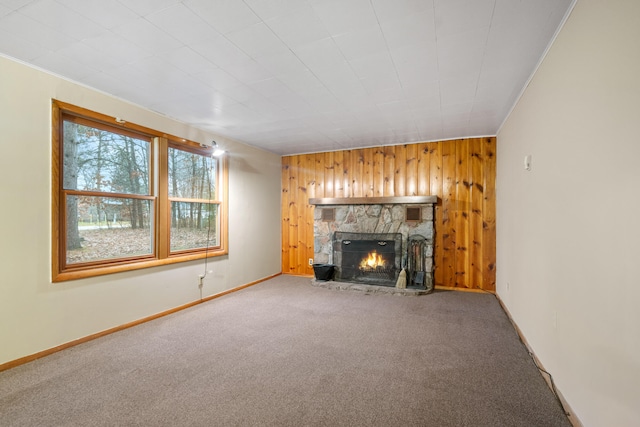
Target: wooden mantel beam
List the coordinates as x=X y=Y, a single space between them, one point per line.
x=405 y=200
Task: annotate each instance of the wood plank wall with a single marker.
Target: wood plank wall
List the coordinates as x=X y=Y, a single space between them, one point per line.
x=460 y=172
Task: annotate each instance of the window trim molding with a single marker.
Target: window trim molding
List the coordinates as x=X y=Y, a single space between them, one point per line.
x=162 y=226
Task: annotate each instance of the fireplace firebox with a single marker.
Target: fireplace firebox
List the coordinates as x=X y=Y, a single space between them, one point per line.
x=371 y=258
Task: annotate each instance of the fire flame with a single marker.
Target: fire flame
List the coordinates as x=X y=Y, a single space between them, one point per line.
x=373 y=260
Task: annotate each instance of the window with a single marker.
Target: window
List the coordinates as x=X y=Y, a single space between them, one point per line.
x=128 y=197
x=192 y=194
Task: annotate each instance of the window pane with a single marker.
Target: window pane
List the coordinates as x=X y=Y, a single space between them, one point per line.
x=191 y=176
x=99 y=160
x=104 y=228
x=193 y=225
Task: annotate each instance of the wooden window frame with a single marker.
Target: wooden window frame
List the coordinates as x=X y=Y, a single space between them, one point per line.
x=159 y=196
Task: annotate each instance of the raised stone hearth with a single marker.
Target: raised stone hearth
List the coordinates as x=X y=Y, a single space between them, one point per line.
x=350 y=218
x=368 y=289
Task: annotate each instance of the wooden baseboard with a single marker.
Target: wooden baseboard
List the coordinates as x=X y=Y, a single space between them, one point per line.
x=451 y=288
x=44 y=353
x=573 y=418
x=299 y=275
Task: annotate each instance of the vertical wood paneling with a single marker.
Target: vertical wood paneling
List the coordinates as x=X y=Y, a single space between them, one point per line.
x=314 y=180
x=411 y=170
x=489 y=214
x=448 y=213
x=306 y=187
x=461 y=173
x=286 y=198
x=435 y=179
x=346 y=173
x=357 y=172
x=389 y=171
x=400 y=172
x=475 y=218
x=368 y=173
x=424 y=161
x=463 y=204
x=338 y=174
x=378 y=172
x=329 y=171
x=299 y=194
x=306 y=239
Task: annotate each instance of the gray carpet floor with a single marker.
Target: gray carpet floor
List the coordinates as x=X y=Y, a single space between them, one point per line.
x=285 y=353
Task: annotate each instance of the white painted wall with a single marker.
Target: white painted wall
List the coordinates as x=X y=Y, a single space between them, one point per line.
x=568 y=231
x=36 y=314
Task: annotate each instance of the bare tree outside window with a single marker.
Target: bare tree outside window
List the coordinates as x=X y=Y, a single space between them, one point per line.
x=192 y=193
x=100 y=169
x=126 y=196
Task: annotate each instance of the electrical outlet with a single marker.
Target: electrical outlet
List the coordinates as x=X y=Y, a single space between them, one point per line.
x=310 y=261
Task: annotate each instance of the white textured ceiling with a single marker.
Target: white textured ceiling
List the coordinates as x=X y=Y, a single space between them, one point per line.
x=295 y=76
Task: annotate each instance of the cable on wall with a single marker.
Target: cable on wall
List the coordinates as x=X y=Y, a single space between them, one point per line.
x=533 y=357
x=217 y=152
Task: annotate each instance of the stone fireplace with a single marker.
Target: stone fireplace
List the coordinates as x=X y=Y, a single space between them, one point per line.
x=370 y=240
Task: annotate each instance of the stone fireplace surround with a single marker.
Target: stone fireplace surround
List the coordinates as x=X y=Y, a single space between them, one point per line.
x=374 y=215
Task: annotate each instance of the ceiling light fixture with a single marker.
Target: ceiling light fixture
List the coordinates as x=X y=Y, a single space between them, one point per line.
x=217 y=151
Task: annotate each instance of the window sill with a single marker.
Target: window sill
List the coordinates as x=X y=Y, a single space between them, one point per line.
x=93 y=271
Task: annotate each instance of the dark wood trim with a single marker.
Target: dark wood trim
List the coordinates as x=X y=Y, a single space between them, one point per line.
x=131 y=264
x=40 y=354
x=187 y=200
x=125 y=125
x=452 y=288
x=237 y=288
x=163 y=205
x=374 y=200
x=56 y=234
x=107 y=195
